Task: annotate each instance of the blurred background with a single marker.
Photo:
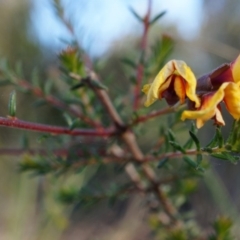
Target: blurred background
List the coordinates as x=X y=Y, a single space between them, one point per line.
x=206 y=34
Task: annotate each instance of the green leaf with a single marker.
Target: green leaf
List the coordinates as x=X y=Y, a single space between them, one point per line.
x=162 y=162
x=12 y=105
x=39 y=103
x=71 y=60
x=195 y=139
x=158 y=16
x=129 y=62
x=226 y=156
x=38 y=165
x=219 y=137
x=98 y=85
x=35 y=78
x=5 y=83
x=75 y=124
x=171 y=135
x=73 y=100
x=207 y=149
x=68 y=119
x=190 y=162
x=160 y=51
x=199 y=159
x=135 y=14
x=79 y=85
x=217 y=140
x=222 y=227
x=25 y=142
x=48 y=87
x=43 y=137
x=177 y=147
x=188 y=144
x=19 y=69
x=233 y=140
x=68 y=195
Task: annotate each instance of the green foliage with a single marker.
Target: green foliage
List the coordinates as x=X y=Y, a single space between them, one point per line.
x=233 y=141
x=135 y=14
x=222 y=227
x=160 y=52
x=12 y=105
x=157 y=17
x=72 y=62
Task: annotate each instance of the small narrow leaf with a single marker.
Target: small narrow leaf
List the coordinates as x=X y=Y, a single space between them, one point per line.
x=234 y=137
x=19 y=69
x=171 y=135
x=25 y=142
x=177 y=147
x=207 y=149
x=135 y=14
x=68 y=119
x=188 y=144
x=35 y=78
x=190 y=162
x=129 y=62
x=98 y=85
x=12 y=104
x=162 y=163
x=48 y=87
x=226 y=156
x=195 y=139
x=213 y=142
x=199 y=159
x=39 y=103
x=161 y=14
x=43 y=137
x=5 y=82
x=219 y=137
x=79 y=85
x=75 y=123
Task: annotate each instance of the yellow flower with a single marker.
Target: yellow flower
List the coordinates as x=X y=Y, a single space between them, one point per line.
x=235 y=68
x=174 y=82
x=229 y=93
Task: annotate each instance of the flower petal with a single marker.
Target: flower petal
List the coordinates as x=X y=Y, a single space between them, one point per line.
x=232 y=99
x=180 y=89
x=208 y=108
x=235 y=66
x=190 y=79
x=218 y=117
x=146 y=88
x=164 y=87
x=163 y=75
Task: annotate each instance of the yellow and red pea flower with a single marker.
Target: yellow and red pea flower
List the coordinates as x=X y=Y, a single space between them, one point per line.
x=225 y=87
x=176 y=81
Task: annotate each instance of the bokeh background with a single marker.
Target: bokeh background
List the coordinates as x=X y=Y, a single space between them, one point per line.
x=206 y=34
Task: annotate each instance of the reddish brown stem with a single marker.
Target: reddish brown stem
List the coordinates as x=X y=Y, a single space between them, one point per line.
x=58 y=103
x=140 y=67
x=153 y=114
x=130 y=140
x=16 y=123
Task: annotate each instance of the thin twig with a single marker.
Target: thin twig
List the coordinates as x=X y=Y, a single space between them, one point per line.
x=57 y=103
x=16 y=123
x=144 y=118
x=140 y=66
x=130 y=140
